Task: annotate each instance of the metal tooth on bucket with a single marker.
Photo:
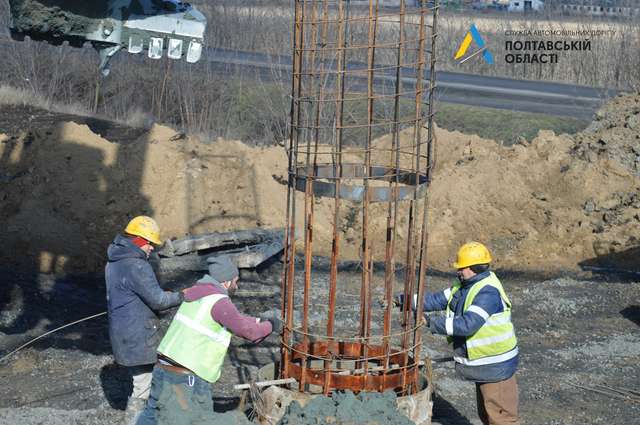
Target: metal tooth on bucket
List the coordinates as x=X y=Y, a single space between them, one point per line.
x=110 y=25
x=361 y=136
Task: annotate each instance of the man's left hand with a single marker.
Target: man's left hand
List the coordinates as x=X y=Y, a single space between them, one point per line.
x=431 y=325
x=426 y=321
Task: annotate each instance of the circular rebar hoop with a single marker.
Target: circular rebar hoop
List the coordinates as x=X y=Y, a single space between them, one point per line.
x=406 y=179
x=375 y=374
x=362 y=92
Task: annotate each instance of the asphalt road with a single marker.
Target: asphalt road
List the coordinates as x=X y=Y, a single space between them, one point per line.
x=467 y=89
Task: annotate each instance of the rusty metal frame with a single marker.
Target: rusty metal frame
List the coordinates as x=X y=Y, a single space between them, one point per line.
x=341 y=54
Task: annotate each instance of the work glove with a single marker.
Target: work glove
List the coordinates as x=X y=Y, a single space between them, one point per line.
x=276 y=325
x=399 y=301
x=271 y=316
x=427 y=321
x=431 y=325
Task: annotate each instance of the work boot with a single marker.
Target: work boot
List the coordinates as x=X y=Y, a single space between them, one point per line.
x=135 y=406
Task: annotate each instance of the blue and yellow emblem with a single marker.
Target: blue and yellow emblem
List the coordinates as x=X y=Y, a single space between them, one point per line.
x=474 y=35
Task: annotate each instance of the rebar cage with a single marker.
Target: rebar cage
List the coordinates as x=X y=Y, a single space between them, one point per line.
x=362 y=135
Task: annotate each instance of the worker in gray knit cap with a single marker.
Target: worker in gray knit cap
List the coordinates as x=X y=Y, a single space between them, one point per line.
x=192 y=352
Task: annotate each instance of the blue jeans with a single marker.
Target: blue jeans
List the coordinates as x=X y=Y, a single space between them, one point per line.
x=177 y=399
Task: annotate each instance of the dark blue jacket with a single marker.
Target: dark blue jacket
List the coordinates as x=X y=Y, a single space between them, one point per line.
x=133 y=293
x=486 y=303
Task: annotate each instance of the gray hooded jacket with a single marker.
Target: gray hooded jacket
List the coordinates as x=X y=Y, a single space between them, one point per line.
x=133 y=293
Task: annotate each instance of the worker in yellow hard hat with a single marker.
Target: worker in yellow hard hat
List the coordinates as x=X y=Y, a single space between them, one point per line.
x=133 y=296
x=478 y=324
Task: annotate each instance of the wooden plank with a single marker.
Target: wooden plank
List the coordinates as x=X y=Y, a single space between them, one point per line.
x=266 y=383
x=215 y=240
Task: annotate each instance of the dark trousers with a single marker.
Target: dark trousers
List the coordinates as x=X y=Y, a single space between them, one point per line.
x=177 y=399
x=498 y=402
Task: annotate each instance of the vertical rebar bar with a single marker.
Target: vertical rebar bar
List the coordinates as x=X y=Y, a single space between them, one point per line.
x=429 y=169
x=367 y=263
x=289 y=251
x=411 y=240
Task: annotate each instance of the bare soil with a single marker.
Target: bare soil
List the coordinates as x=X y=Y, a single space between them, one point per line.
x=555 y=203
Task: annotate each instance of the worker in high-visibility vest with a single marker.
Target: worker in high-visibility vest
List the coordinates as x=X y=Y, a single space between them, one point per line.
x=478 y=324
x=191 y=354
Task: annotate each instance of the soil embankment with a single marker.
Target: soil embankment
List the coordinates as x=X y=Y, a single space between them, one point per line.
x=550 y=203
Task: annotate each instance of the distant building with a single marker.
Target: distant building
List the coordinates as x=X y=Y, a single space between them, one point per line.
x=386 y=3
x=610 y=9
x=480 y=4
x=525 y=5
x=490 y=4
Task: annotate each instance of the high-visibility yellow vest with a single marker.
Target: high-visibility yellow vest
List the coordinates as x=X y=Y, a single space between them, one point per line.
x=496 y=340
x=196 y=341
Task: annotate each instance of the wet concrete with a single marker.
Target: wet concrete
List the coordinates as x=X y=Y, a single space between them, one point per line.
x=364 y=408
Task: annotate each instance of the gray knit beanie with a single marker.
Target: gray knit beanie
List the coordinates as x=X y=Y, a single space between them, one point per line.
x=222 y=268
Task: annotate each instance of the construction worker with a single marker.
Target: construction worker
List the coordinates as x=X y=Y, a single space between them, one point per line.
x=191 y=354
x=133 y=294
x=478 y=323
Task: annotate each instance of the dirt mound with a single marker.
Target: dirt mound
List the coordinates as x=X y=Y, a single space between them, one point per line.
x=70 y=17
x=66 y=192
x=536 y=205
x=614 y=134
x=548 y=204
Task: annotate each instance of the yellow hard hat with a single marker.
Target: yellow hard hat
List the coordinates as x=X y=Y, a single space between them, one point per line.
x=145 y=227
x=472 y=253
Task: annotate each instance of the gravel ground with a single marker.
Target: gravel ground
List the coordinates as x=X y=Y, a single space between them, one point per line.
x=574 y=333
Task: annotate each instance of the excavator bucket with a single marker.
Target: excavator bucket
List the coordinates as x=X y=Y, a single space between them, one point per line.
x=157 y=26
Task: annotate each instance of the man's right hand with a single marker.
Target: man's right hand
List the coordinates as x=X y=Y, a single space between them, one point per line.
x=276 y=325
x=276 y=322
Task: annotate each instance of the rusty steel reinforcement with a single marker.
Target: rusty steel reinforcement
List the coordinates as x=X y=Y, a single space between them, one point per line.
x=369 y=147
